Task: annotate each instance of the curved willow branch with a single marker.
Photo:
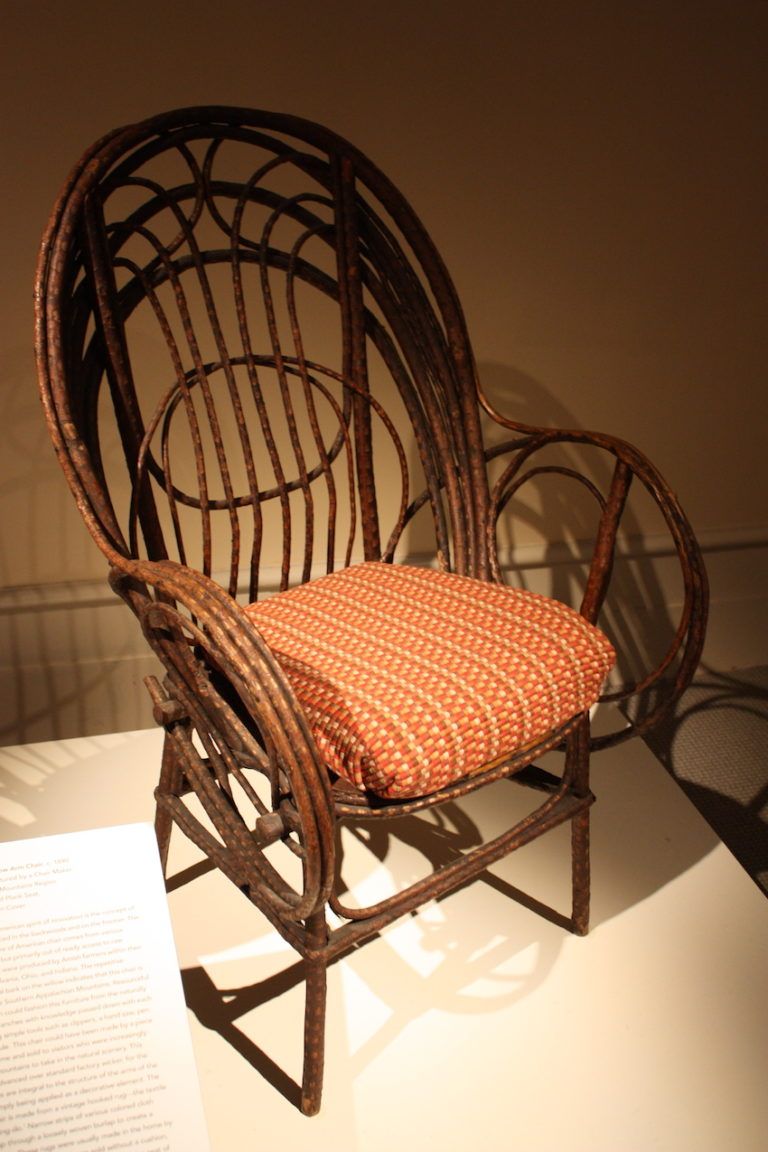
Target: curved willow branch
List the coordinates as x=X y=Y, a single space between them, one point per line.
x=223 y=686
x=672 y=673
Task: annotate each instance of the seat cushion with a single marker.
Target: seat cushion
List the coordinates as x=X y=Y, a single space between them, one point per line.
x=412 y=679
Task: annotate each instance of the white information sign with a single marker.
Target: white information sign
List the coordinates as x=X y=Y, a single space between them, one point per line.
x=95 y=1049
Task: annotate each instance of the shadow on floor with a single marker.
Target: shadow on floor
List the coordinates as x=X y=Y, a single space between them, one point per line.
x=715 y=745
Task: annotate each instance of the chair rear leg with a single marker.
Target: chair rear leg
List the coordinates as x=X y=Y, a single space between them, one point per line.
x=577 y=768
x=580 y=872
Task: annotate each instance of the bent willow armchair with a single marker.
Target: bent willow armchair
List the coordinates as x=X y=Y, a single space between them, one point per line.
x=259 y=383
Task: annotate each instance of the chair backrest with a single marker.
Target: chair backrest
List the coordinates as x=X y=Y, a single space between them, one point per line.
x=246 y=305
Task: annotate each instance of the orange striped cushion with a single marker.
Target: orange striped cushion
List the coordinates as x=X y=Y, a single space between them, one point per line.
x=412 y=679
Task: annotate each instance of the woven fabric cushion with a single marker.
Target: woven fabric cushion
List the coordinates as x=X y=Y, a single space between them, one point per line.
x=412 y=679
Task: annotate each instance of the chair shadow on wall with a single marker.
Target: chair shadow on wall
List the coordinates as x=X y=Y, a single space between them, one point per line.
x=62 y=673
x=64 y=678
x=641 y=626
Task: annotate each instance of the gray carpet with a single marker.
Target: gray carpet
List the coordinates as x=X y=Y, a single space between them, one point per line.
x=716 y=747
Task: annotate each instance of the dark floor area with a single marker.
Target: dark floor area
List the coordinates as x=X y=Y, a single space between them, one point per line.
x=715 y=744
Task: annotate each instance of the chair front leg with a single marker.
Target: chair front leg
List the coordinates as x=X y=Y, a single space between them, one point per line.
x=170 y=783
x=580 y=873
x=314 y=1020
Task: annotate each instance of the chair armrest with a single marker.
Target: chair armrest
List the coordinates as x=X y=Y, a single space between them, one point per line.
x=647 y=697
x=223 y=684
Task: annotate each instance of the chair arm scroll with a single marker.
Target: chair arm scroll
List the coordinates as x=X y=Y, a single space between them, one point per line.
x=235 y=736
x=645 y=697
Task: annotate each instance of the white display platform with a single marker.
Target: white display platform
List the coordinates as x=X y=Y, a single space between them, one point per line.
x=476 y=1023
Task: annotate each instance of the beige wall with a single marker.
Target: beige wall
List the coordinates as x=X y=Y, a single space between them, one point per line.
x=592 y=172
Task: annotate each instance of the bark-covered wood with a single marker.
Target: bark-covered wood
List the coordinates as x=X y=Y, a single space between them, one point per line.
x=255 y=369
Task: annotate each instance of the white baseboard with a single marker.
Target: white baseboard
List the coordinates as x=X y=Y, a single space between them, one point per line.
x=72 y=657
